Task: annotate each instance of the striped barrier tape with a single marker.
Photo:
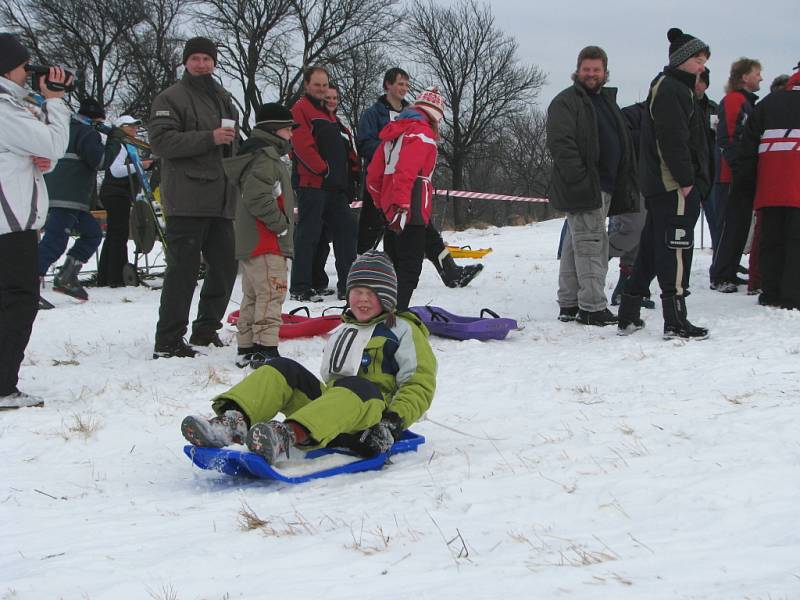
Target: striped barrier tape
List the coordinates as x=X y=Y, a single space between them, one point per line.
x=476 y=196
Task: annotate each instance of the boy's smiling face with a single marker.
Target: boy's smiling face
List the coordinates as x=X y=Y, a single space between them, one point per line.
x=364 y=303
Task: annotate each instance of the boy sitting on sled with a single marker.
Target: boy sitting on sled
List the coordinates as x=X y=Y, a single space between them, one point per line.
x=379 y=377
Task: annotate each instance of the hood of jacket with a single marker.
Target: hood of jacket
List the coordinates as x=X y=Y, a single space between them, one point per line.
x=409 y=120
x=273 y=145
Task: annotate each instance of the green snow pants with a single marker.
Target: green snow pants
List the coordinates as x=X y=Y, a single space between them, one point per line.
x=350 y=405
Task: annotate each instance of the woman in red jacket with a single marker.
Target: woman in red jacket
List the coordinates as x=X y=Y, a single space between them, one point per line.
x=399 y=180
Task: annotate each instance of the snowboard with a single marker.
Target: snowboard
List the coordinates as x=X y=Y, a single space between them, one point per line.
x=317 y=464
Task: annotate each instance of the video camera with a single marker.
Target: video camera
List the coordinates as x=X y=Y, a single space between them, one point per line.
x=37 y=71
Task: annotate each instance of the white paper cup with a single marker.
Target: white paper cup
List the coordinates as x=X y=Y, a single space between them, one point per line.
x=228 y=123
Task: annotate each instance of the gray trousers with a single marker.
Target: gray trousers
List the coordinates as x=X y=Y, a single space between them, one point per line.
x=584 y=260
x=624 y=232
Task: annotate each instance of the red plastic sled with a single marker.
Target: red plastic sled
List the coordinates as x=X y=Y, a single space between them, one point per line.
x=298 y=326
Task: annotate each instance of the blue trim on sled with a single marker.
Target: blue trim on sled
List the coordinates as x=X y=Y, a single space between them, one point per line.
x=248 y=464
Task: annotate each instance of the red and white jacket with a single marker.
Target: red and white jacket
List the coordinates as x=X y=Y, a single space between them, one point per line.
x=771 y=148
x=399 y=175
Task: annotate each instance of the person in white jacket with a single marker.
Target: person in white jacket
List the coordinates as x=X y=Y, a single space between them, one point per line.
x=32 y=139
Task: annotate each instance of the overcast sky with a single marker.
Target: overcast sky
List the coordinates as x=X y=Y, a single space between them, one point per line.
x=634 y=34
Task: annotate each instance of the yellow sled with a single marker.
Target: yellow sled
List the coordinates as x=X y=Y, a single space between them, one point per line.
x=467 y=252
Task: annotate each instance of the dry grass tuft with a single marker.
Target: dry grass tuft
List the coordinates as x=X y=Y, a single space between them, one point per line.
x=216 y=378
x=167 y=592
x=84 y=426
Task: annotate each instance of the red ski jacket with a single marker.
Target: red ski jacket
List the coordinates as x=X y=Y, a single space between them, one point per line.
x=771 y=148
x=311 y=117
x=399 y=175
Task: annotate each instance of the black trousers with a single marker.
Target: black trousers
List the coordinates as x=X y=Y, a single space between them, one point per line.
x=114 y=255
x=371 y=223
x=666 y=245
x=780 y=254
x=19 y=302
x=189 y=239
x=407 y=251
x=734 y=227
x=319 y=278
x=316 y=208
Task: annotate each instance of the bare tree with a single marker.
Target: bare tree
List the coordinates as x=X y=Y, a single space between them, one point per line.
x=460 y=48
x=152 y=55
x=328 y=32
x=251 y=34
x=358 y=74
x=87 y=34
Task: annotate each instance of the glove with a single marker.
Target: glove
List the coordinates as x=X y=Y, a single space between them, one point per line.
x=379 y=438
x=398 y=223
x=375 y=440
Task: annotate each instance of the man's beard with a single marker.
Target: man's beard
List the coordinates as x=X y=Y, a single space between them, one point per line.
x=592 y=84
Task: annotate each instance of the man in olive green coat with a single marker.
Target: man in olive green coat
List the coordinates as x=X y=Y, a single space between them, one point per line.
x=192 y=128
x=264 y=228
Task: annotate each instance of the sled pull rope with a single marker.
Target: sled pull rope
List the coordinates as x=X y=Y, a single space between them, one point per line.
x=294 y=311
x=489 y=311
x=485 y=438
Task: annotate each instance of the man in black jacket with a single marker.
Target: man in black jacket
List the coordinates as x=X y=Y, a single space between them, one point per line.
x=594 y=175
x=673 y=165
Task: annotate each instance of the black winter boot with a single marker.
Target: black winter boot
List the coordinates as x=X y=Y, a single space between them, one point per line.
x=66 y=280
x=630 y=309
x=452 y=275
x=675 y=322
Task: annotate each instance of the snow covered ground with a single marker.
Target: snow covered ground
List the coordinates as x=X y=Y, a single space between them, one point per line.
x=563 y=462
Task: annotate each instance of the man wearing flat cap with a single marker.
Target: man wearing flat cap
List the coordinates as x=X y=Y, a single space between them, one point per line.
x=192 y=128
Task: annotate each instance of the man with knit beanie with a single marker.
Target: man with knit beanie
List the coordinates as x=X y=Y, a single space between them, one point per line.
x=193 y=128
x=31 y=141
x=378 y=377
x=673 y=176
x=264 y=229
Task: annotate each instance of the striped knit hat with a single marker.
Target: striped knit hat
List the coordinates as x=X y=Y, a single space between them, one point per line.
x=683 y=46
x=375 y=271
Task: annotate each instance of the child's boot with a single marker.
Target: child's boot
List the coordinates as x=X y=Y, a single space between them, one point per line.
x=223 y=430
x=271 y=439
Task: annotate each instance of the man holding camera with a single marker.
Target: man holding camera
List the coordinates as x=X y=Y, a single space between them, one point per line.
x=192 y=128
x=32 y=139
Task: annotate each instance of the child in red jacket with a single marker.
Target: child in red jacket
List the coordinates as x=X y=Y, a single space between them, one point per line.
x=399 y=181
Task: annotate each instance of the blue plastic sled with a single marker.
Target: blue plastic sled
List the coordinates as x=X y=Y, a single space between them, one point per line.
x=248 y=464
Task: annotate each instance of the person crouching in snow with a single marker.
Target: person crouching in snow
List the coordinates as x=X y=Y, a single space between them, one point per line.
x=378 y=372
x=263 y=227
x=399 y=181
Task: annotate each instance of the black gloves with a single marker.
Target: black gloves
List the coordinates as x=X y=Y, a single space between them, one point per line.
x=375 y=440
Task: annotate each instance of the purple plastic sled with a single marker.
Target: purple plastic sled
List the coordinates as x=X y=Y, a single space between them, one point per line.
x=444 y=324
